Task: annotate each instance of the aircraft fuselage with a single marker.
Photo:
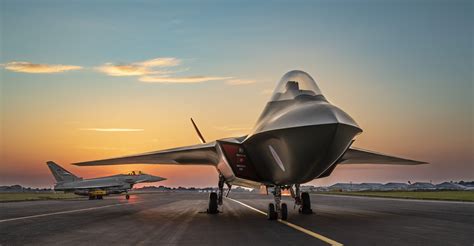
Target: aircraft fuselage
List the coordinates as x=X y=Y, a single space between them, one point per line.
x=293 y=142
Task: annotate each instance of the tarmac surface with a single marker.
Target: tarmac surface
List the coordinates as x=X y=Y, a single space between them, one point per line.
x=179 y=219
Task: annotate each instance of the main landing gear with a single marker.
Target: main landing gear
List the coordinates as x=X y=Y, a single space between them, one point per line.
x=301 y=199
x=278 y=209
x=92 y=197
x=215 y=199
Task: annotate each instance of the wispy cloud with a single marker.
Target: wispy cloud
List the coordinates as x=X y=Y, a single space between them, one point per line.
x=189 y=79
x=155 y=71
x=100 y=148
x=148 y=67
x=240 y=81
x=112 y=129
x=28 y=67
x=158 y=70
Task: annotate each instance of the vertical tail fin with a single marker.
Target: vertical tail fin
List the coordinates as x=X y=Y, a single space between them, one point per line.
x=198 y=132
x=61 y=174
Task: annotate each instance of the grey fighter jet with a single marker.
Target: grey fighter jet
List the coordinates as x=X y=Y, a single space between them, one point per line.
x=300 y=136
x=96 y=188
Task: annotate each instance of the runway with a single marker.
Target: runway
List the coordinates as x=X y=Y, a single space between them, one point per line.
x=179 y=219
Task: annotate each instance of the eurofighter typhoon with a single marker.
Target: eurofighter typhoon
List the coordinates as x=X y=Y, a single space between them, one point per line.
x=96 y=188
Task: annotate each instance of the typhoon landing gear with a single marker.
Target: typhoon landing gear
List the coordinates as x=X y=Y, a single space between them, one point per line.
x=278 y=209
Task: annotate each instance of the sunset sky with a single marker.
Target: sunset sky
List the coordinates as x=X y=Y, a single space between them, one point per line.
x=83 y=80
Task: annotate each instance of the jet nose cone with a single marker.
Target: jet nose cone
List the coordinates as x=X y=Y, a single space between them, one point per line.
x=156 y=179
x=341 y=117
x=314 y=113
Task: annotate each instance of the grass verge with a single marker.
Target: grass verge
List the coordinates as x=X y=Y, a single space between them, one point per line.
x=466 y=196
x=27 y=196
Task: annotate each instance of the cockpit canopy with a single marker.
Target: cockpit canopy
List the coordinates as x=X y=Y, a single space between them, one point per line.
x=295 y=84
x=134 y=173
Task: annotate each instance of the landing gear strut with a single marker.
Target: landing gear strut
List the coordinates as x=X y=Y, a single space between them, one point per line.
x=302 y=199
x=221 y=189
x=278 y=209
x=215 y=199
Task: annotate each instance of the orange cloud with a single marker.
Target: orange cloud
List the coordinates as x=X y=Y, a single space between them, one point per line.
x=28 y=67
x=148 y=67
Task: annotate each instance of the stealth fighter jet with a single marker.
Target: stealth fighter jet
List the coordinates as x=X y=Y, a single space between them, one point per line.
x=300 y=136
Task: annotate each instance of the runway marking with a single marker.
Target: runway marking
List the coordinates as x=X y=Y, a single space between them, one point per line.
x=297 y=227
x=65 y=212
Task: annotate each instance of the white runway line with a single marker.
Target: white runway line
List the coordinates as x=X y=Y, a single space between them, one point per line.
x=297 y=227
x=65 y=212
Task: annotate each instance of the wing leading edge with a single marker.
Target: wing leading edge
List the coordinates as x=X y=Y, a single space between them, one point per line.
x=200 y=154
x=360 y=156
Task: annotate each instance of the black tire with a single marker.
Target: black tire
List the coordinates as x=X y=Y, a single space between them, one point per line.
x=127 y=196
x=212 y=203
x=272 y=214
x=100 y=197
x=305 y=203
x=284 y=211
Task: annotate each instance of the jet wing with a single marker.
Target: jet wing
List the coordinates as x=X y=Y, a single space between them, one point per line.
x=200 y=154
x=360 y=156
x=99 y=185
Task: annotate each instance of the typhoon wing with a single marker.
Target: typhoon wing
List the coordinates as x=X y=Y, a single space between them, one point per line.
x=200 y=154
x=360 y=156
x=98 y=184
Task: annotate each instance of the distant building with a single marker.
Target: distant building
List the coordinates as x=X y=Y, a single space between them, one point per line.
x=369 y=186
x=307 y=188
x=341 y=187
x=449 y=186
x=320 y=188
x=394 y=186
x=422 y=186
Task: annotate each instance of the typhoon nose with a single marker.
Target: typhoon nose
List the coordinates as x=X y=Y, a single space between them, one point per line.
x=156 y=179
